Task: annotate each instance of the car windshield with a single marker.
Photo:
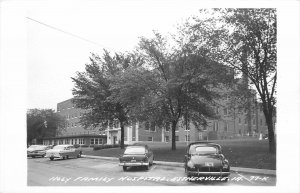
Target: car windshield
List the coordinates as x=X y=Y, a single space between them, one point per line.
x=59 y=147
x=135 y=150
x=203 y=150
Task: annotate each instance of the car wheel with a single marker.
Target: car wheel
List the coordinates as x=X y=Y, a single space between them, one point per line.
x=124 y=168
x=51 y=158
x=64 y=157
x=151 y=162
x=79 y=155
x=67 y=157
x=147 y=166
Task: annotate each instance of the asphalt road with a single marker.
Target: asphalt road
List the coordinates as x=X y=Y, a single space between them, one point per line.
x=96 y=172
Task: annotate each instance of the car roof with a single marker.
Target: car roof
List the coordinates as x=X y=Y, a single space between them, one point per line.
x=64 y=145
x=133 y=146
x=205 y=144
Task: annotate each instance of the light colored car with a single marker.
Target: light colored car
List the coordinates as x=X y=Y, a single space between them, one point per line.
x=37 y=150
x=137 y=156
x=63 y=152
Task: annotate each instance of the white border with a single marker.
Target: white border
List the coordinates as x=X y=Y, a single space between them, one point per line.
x=13 y=163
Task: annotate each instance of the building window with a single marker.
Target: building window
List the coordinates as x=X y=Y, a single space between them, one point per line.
x=254 y=121
x=168 y=126
x=216 y=126
x=67 y=141
x=152 y=127
x=150 y=138
x=167 y=138
x=225 y=126
x=187 y=138
x=61 y=141
x=116 y=124
x=176 y=138
x=225 y=111
x=92 y=141
x=217 y=110
x=186 y=128
x=147 y=126
x=240 y=120
x=96 y=141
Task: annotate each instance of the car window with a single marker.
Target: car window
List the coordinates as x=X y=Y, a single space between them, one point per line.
x=135 y=150
x=59 y=147
x=203 y=150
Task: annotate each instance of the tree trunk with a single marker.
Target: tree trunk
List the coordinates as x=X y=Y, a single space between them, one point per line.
x=271 y=135
x=173 y=135
x=122 y=135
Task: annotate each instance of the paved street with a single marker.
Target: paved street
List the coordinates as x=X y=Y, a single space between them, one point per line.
x=96 y=172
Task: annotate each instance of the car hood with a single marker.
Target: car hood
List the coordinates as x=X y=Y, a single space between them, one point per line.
x=202 y=159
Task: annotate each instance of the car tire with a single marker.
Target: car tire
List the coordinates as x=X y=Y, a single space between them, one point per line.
x=124 y=168
x=148 y=166
x=79 y=155
x=64 y=157
x=51 y=158
x=67 y=157
x=151 y=162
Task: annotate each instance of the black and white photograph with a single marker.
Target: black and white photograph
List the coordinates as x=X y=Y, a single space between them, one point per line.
x=185 y=95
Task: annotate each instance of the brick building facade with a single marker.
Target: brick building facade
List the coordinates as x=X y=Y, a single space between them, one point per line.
x=231 y=124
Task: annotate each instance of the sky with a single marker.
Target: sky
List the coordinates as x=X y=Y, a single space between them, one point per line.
x=53 y=57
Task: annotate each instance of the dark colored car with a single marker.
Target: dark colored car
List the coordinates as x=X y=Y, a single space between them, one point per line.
x=137 y=156
x=205 y=159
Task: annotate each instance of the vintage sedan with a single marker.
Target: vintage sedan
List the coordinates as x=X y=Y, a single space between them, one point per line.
x=63 y=152
x=137 y=156
x=205 y=159
x=37 y=150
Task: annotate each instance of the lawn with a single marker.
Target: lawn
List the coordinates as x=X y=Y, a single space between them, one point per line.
x=248 y=153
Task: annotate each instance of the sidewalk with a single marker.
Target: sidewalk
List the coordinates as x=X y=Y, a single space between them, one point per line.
x=178 y=164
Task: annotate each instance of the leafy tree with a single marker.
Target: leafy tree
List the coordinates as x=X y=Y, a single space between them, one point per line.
x=171 y=84
x=93 y=91
x=43 y=123
x=244 y=39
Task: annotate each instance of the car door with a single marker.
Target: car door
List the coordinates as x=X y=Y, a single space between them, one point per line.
x=73 y=151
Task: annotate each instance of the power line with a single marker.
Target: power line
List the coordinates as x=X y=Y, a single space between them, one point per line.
x=68 y=33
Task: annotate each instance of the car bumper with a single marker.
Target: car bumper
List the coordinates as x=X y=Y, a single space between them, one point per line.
x=133 y=164
x=35 y=154
x=199 y=173
x=53 y=156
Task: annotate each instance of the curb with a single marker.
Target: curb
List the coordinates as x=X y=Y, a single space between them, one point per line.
x=178 y=164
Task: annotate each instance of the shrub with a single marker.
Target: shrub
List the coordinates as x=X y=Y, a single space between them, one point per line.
x=105 y=146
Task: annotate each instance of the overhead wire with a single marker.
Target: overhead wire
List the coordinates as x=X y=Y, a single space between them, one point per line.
x=68 y=33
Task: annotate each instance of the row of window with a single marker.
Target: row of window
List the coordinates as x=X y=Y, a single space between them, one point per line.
x=253 y=121
x=79 y=141
x=96 y=141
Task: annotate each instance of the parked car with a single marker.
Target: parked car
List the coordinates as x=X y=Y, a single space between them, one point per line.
x=63 y=152
x=137 y=156
x=206 y=159
x=37 y=151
